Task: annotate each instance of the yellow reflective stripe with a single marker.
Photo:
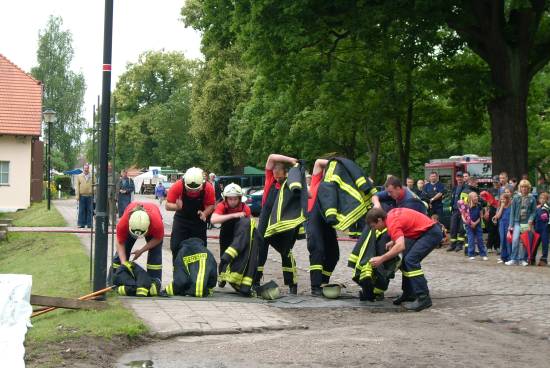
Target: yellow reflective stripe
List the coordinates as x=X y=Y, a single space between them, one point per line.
x=153 y=289
x=460 y=238
x=326 y=273
x=283 y=226
x=316 y=268
x=363 y=249
x=347 y=188
x=194 y=258
x=360 y=181
x=121 y=290
x=232 y=252
x=142 y=291
x=378 y=291
x=280 y=204
x=380 y=232
x=154 y=266
x=260 y=268
x=301 y=230
x=247 y=281
x=353 y=258
x=331 y=212
x=294 y=185
x=412 y=273
x=294 y=270
x=287 y=269
x=170 y=289
x=199 y=284
x=116 y=265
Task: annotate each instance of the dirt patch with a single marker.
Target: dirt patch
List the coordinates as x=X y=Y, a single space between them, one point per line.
x=81 y=352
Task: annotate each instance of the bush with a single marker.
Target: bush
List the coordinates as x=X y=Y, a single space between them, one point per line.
x=64 y=181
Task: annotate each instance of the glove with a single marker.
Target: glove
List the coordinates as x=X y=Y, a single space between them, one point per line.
x=129 y=267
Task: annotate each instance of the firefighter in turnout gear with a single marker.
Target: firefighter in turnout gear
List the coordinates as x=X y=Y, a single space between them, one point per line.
x=195 y=270
x=457 y=229
x=284 y=204
x=424 y=236
x=339 y=198
x=397 y=196
x=239 y=262
x=132 y=280
x=193 y=201
x=140 y=219
x=373 y=281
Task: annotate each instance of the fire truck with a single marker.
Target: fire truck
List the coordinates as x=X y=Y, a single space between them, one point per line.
x=479 y=167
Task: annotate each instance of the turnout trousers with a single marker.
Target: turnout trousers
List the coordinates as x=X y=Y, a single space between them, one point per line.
x=323 y=248
x=457 y=230
x=282 y=243
x=154 y=258
x=414 y=282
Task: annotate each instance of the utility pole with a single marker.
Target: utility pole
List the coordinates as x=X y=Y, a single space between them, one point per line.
x=102 y=217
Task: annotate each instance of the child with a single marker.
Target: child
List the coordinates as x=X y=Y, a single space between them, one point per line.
x=435 y=217
x=522 y=216
x=542 y=214
x=473 y=229
x=503 y=219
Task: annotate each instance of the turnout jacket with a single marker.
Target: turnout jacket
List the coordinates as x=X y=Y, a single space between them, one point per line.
x=290 y=206
x=372 y=243
x=135 y=281
x=239 y=263
x=344 y=194
x=195 y=270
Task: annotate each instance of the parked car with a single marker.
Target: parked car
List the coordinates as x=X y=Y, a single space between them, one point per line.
x=254 y=201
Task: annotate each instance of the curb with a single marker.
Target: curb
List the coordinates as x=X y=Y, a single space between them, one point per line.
x=225 y=331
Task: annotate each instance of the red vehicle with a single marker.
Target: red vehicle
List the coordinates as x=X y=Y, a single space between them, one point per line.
x=479 y=167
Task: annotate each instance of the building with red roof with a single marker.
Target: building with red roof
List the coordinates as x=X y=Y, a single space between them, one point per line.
x=21 y=151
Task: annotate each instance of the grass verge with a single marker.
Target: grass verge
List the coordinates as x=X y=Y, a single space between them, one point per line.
x=37 y=215
x=60 y=267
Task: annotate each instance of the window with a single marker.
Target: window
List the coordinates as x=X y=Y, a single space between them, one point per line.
x=4 y=172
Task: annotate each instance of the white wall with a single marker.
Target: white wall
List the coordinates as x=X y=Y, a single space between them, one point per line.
x=16 y=150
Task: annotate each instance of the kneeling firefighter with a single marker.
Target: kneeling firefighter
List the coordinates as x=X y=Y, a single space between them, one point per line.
x=132 y=280
x=239 y=262
x=373 y=281
x=195 y=270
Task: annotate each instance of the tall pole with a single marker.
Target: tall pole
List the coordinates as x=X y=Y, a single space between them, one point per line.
x=102 y=217
x=49 y=150
x=93 y=194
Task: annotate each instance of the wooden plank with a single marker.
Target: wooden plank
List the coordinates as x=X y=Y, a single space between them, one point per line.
x=67 y=303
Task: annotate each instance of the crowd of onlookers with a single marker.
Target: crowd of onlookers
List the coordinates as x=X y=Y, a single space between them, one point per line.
x=514 y=215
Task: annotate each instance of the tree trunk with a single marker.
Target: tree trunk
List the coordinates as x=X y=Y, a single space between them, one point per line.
x=373 y=145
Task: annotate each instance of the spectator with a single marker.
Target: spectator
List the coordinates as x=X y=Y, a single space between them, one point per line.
x=125 y=190
x=493 y=240
x=503 y=219
x=457 y=230
x=160 y=192
x=522 y=216
x=410 y=184
x=435 y=191
x=473 y=228
x=542 y=215
x=83 y=189
x=503 y=180
x=435 y=217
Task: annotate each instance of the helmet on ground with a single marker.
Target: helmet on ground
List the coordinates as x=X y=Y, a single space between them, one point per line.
x=269 y=291
x=332 y=291
x=232 y=190
x=193 y=178
x=139 y=222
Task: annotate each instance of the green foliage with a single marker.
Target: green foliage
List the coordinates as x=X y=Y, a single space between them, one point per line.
x=64 y=181
x=36 y=215
x=63 y=91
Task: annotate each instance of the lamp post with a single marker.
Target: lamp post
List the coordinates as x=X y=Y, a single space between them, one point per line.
x=49 y=118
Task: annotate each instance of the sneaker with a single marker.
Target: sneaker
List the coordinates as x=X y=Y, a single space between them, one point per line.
x=500 y=261
x=472 y=258
x=523 y=263
x=510 y=263
x=542 y=263
x=485 y=258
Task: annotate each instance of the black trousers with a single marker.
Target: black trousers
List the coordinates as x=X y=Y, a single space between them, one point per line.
x=282 y=243
x=183 y=229
x=154 y=257
x=457 y=230
x=323 y=248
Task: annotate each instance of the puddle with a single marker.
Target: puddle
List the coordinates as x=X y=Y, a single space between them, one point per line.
x=140 y=364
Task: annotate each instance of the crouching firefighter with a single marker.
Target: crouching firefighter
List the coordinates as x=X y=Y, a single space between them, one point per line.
x=373 y=281
x=132 y=280
x=140 y=219
x=195 y=270
x=423 y=234
x=284 y=203
x=239 y=262
x=340 y=197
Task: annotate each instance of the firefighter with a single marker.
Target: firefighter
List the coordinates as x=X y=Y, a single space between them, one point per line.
x=279 y=229
x=423 y=234
x=193 y=201
x=195 y=270
x=132 y=280
x=140 y=219
x=457 y=230
x=401 y=197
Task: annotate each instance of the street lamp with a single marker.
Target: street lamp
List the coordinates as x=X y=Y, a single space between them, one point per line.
x=49 y=118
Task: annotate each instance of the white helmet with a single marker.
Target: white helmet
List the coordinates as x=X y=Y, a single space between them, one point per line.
x=193 y=178
x=232 y=190
x=139 y=222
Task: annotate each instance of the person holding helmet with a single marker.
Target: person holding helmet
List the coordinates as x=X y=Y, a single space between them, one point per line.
x=140 y=219
x=193 y=201
x=228 y=212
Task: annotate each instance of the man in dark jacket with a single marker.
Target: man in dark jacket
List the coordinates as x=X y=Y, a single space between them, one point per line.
x=396 y=196
x=125 y=190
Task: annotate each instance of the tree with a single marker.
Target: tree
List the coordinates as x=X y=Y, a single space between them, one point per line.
x=63 y=91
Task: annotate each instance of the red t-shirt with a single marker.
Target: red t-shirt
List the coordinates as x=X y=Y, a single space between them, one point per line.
x=269 y=180
x=223 y=209
x=313 y=188
x=156 y=227
x=176 y=191
x=408 y=223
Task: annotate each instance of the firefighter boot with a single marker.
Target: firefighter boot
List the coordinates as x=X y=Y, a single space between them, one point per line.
x=293 y=289
x=423 y=301
x=316 y=291
x=402 y=298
